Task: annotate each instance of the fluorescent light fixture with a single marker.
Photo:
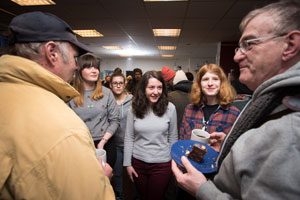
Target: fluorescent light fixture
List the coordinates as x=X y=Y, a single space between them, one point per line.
x=34 y=2
x=167 y=55
x=168 y=48
x=88 y=33
x=112 y=47
x=131 y=51
x=166 y=32
x=125 y=55
x=162 y=0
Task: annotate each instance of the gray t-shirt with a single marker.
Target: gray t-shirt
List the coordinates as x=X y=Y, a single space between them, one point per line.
x=150 y=139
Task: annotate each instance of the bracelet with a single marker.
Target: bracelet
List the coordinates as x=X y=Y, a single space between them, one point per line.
x=105 y=140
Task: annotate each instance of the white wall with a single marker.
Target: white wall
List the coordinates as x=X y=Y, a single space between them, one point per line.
x=128 y=64
x=191 y=63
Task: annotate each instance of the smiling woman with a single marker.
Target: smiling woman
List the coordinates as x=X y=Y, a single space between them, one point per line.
x=96 y=105
x=211 y=107
x=147 y=146
x=210 y=110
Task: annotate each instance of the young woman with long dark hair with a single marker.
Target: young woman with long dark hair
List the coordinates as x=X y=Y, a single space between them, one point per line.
x=150 y=132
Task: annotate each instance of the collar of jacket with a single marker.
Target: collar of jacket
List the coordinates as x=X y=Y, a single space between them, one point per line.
x=19 y=70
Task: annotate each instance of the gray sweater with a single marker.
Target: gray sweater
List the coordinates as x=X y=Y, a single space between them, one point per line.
x=120 y=133
x=264 y=162
x=150 y=139
x=100 y=116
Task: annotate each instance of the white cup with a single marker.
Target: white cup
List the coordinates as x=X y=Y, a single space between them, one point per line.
x=101 y=156
x=200 y=135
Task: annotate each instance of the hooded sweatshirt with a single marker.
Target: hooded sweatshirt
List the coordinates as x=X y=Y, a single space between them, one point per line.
x=180 y=94
x=120 y=133
x=179 y=76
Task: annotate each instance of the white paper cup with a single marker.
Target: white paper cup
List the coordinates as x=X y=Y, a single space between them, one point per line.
x=101 y=156
x=200 y=135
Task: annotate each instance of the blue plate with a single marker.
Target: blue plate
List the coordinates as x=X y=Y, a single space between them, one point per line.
x=207 y=165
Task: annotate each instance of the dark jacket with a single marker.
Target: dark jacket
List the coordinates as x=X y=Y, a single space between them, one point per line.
x=180 y=98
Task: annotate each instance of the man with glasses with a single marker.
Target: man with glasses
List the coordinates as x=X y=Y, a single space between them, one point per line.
x=46 y=151
x=259 y=158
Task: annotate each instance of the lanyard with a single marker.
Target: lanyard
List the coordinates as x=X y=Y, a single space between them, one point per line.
x=205 y=123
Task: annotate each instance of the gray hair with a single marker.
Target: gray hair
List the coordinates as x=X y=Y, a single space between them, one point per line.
x=32 y=50
x=27 y=50
x=286 y=15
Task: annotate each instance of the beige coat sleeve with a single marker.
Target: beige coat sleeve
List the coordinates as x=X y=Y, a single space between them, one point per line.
x=69 y=170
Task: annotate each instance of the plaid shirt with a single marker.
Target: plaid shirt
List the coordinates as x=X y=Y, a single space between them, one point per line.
x=221 y=120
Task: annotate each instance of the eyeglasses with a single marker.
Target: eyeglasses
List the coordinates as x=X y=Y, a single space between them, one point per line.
x=247 y=45
x=115 y=84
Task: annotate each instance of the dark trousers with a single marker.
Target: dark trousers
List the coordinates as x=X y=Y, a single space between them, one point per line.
x=111 y=151
x=152 y=180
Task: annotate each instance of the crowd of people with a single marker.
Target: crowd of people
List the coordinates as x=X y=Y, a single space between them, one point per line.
x=56 y=111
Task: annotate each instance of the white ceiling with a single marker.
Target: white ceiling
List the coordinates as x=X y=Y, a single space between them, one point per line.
x=129 y=23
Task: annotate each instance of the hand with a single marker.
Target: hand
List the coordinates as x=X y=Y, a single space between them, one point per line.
x=131 y=172
x=101 y=144
x=192 y=180
x=216 y=139
x=107 y=170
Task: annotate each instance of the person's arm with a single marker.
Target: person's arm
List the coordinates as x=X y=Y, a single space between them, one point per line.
x=128 y=145
x=104 y=140
x=112 y=118
x=173 y=132
x=131 y=172
x=128 y=139
x=113 y=113
x=216 y=139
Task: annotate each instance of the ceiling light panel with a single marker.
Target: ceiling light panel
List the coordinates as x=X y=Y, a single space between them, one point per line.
x=112 y=47
x=88 y=33
x=34 y=2
x=168 y=48
x=167 y=55
x=166 y=32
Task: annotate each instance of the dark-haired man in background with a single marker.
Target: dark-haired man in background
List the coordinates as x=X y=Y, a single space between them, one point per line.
x=137 y=76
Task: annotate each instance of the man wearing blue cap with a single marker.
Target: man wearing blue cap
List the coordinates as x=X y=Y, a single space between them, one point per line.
x=46 y=151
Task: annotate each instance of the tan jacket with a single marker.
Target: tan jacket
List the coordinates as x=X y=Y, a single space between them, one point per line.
x=46 y=151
